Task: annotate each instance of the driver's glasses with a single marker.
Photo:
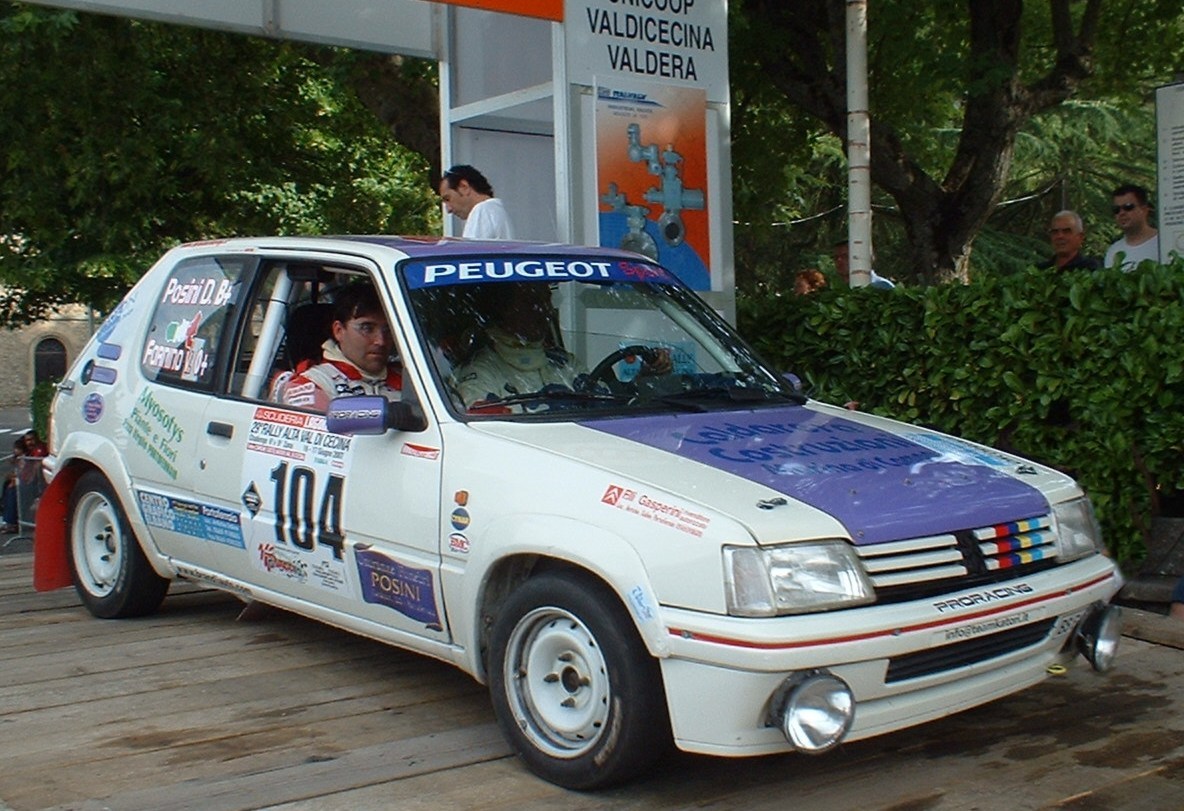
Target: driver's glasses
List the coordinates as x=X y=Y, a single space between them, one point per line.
x=370 y=329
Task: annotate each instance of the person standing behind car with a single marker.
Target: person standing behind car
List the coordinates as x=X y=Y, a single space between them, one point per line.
x=356 y=360
x=1140 y=242
x=467 y=194
x=1066 y=234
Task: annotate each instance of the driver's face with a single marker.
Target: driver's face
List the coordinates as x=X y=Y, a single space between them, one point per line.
x=527 y=316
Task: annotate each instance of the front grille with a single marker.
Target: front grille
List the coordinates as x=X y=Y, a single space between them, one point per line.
x=968 y=652
x=936 y=564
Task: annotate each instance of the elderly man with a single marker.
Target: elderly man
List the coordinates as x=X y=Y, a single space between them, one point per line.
x=1140 y=242
x=1066 y=233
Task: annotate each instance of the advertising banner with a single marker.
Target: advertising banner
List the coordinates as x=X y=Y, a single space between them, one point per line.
x=651 y=169
x=1169 y=117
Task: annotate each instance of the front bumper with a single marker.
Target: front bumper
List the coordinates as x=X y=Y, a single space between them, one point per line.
x=905 y=664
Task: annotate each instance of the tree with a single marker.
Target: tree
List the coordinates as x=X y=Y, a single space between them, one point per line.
x=123 y=138
x=982 y=72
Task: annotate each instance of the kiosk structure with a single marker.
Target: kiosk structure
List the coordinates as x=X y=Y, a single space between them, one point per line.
x=596 y=121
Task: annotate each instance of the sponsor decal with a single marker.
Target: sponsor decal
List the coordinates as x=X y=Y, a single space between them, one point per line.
x=92 y=407
x=985 y=597
x=110 y=351
x=952 y=448
x=654 y=509
x=420 y=451
x=986 y=626
x=460 y=518
x=387 y=582
x=215 y=580
x=155 y=431
x=117 y=315
x=458 y=544
x=880 y=486
x=205 y=521
x=641 y=604
x=252 y=500
x=284 y=562
x=503 y=269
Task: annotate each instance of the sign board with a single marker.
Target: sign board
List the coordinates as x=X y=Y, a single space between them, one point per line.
x=1169 y=120
x=672 y=42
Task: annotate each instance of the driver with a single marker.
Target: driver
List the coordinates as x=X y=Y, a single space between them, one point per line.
x=517 y=357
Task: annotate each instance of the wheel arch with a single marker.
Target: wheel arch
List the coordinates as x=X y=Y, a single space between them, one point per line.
x=51 y=530
x=616 y=566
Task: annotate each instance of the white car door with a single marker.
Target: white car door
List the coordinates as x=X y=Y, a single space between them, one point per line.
x=348 y=523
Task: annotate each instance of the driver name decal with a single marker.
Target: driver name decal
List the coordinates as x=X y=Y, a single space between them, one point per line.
x=407 y=590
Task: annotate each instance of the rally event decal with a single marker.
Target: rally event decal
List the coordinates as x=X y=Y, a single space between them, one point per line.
x=294 y=478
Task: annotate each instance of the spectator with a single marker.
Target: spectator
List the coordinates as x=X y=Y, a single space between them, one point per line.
x=467 y=194
x=9 y=496
x=842 y=257
x=1140 y=242
x=807 y=281
x=357 y=359
x=1066 y=233
x=1177 y=609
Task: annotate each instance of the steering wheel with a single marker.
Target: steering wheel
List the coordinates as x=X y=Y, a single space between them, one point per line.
x=603 y=371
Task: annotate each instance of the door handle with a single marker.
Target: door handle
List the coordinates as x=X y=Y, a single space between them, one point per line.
x=220 y=429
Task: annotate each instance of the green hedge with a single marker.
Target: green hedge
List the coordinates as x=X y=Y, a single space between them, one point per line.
x=1081 y=371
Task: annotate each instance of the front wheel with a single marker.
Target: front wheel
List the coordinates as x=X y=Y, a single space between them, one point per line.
x=573 y=688
x=110 y=572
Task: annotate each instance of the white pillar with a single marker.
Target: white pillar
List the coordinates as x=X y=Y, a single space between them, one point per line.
x=859 y=147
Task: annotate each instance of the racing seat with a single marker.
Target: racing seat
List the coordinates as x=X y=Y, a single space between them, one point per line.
x=309 y=325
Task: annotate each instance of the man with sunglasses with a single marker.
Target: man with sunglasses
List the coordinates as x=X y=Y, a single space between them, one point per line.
x=356 y=360
x=466 y=193
x=1140 y=241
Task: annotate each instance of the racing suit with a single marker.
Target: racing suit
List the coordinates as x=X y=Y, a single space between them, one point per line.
x=336 y=376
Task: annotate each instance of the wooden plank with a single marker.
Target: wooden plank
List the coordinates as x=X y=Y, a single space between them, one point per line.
x=364 y=766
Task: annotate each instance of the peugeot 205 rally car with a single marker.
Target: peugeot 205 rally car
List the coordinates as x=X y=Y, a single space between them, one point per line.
x=658 y=539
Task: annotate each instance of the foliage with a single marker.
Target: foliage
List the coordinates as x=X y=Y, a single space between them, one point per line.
x=1082 y=372
x=1063 y=117
x=39 y=402
x=123 y=138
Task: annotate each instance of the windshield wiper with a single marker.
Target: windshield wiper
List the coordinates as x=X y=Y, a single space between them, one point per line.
x=552 y=395
x=733 y=394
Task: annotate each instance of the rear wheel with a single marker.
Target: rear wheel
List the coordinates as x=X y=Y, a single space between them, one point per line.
x=574 y=689
x=109 y=569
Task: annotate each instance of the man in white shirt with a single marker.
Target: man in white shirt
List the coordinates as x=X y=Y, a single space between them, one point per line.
x=1139 y=240
x=467 y=194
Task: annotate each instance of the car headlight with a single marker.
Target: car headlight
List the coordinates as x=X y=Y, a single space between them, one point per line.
x=793 y=579
x=1078 y=532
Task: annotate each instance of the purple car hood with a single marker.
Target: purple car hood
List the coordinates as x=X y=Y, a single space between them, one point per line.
x=883 y=481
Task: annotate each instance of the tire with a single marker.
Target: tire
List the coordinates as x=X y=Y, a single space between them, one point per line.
x=574 y=690
x=110 y=572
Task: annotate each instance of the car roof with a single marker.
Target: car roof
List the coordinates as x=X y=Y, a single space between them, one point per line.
x=417 y=247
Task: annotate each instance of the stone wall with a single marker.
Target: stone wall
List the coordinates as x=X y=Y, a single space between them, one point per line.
x=72 y=326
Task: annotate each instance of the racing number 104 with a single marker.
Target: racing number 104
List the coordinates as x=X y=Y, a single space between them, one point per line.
x=296 y=521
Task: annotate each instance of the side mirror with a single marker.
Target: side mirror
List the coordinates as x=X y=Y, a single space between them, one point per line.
x=372 y=414
x=794 y=381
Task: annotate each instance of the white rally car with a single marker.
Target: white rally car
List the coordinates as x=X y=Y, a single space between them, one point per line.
x=658 y=539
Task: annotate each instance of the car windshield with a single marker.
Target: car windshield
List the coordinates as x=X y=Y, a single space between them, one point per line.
x=569 y=337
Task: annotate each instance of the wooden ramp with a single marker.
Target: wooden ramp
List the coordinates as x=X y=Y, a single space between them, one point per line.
x=195 y=709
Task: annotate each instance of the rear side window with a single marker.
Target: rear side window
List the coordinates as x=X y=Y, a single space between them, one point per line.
x=190 y=321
